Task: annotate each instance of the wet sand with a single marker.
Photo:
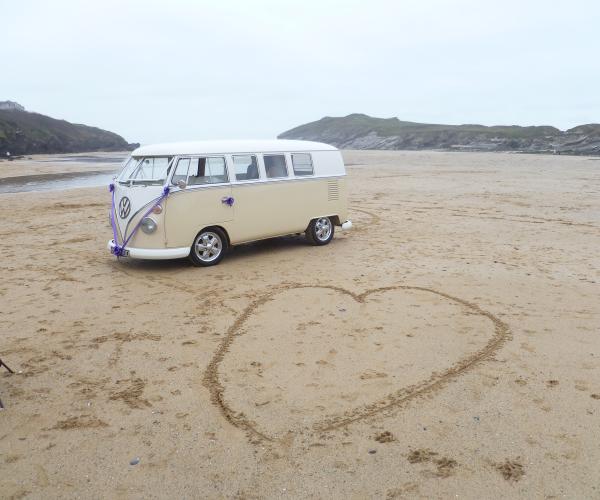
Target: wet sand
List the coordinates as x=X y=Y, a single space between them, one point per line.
x=59 y=172
x=447 y=346
x=80 y=163
x=54 y=182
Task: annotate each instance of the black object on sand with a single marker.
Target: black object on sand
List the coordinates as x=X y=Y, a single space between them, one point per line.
x=3 y=364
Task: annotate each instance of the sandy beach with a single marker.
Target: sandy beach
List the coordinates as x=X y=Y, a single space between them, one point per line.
x=447 y=346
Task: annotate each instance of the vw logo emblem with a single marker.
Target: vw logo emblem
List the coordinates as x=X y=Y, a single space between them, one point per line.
x=124 y=207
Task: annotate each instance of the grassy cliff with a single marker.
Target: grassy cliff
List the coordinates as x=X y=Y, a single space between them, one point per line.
x=22 y=132
x=358 y=131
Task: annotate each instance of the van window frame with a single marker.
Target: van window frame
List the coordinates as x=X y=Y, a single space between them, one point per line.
x=196 y=156
x=261 y=173
x=286 y=162
x=312 y=164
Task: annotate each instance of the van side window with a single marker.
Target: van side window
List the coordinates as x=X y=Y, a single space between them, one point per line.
x=181 y=171
x=210 y=170
x=245 y=167
x=275 y=166
x=302 y=163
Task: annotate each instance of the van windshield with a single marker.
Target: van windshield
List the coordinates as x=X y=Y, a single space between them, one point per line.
x=145 y=170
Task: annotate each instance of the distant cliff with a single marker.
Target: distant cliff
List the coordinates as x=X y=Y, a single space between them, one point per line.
x=22 y=132
x=359 y=131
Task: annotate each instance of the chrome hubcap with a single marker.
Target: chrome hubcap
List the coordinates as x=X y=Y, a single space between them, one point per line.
x=323 y=228
x=208 y=246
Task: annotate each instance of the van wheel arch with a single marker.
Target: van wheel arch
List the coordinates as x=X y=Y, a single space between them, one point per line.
x=224 y=232
x=336 y=220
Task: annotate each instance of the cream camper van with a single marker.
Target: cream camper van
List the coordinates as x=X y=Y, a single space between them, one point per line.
x=197 y=199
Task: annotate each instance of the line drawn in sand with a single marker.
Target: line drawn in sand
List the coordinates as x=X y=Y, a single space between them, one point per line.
x=374 y=219
x=467 y=212
x=387 y=404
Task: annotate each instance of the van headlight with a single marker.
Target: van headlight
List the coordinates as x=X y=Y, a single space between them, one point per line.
x=148 y=225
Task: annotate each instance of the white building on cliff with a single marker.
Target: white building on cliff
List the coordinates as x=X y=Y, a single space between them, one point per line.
x=11 y=106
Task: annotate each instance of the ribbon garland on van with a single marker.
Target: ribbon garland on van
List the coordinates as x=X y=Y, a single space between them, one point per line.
x=119 y=250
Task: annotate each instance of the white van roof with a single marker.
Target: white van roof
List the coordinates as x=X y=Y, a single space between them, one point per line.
x=212 y=147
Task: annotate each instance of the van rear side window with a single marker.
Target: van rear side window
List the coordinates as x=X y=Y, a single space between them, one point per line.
x=302 y=163
x=245 y=167
x=275 y=166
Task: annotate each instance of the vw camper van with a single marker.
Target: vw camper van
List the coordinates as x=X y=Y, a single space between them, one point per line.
x=198 y=199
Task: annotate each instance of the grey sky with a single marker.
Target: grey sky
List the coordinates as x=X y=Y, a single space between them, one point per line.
x=161 y=71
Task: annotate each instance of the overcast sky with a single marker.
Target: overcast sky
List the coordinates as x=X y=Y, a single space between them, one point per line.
x=163 y=71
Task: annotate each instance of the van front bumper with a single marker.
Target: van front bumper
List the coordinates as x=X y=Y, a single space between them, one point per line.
x=152 y=253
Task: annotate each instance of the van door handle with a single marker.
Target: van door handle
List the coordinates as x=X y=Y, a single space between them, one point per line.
x=228 y=200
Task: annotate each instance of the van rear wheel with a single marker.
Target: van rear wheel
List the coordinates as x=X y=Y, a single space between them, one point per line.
x=320 y=231
x=209 y=247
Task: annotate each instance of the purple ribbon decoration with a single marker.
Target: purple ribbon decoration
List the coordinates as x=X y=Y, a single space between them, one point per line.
x=119 y=250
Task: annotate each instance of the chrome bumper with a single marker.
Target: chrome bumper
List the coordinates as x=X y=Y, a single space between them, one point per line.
x=152 y=253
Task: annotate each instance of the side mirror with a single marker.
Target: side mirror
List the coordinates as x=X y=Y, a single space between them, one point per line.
x=181 y=184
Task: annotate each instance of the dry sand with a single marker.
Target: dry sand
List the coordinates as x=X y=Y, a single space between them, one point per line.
x=448 y=346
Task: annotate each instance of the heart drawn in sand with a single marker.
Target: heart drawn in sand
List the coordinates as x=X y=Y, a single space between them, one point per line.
x=316 y=358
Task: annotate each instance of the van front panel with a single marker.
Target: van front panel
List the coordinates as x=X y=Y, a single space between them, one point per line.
x=129 y=213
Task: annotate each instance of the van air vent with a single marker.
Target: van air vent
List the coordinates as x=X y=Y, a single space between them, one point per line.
x=333 y=190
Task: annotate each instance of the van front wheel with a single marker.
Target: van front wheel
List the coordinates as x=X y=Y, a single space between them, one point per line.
x=209 y=247
x=320 y=231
